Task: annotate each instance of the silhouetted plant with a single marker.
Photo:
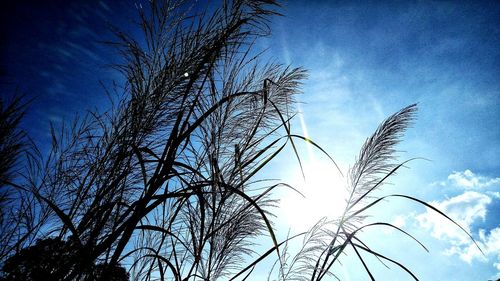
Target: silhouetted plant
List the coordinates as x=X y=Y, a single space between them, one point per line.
x=12 y=140
x=18 y=216
x=163 y=182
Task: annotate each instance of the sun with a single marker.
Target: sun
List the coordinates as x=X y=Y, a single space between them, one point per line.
x=325 y=193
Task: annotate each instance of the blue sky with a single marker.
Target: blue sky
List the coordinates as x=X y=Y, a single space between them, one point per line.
x=365 y=62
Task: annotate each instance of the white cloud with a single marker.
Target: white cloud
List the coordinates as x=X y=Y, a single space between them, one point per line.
x=399 y=221
x=465 y=209
x=468 y=179
x=489 y=244
x=495 y=194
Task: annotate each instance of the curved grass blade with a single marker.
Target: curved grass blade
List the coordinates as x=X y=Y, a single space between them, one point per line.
x=423 y=203
x=308 y=140
x=159 y=229
x=62 y=216
x=393 y=226
x=289 y=136
x=388 y=259
x=261 y=212
x=165 y=260
x=362 y=261
x=363 y=243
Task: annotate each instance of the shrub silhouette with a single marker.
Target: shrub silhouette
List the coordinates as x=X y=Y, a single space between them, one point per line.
x=53 y=259
x=47 y=260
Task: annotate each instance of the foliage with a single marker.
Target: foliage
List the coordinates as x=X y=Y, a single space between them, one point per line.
x=50 y=259
x=43 y=261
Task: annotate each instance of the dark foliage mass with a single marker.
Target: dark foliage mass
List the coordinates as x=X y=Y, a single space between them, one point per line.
x=53 y=259
x=163 y=184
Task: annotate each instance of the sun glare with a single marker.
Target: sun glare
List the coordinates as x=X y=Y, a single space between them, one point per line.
x=324 y=191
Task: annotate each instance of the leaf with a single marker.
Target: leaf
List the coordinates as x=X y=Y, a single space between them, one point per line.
x=308 y=140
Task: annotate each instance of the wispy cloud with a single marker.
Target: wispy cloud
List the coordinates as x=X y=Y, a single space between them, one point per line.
x=468 y=179
x=489 y=243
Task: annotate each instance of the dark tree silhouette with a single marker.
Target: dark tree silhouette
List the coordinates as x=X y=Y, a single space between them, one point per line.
x=163 y=182
x=47 y=260
x=53 y=259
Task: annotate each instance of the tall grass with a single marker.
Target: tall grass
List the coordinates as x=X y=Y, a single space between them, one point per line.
x=17 y=218
x=163 y=182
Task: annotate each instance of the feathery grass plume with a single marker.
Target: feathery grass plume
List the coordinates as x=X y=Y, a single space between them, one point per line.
x=375 y=160
x=298 y=263
x=12 y=144
x=19 y=217
x=313 y=261
x=13 y=140
x=373 y=166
